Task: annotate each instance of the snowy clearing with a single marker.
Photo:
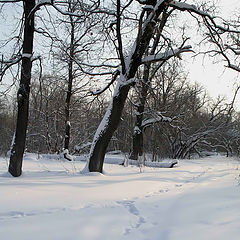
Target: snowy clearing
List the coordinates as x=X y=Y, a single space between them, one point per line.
x=198 y=199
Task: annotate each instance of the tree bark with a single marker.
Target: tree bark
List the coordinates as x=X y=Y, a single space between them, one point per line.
x=137 y=140
x=112 y=117
x=106 y=130
x=18 y=147
x=69 y=91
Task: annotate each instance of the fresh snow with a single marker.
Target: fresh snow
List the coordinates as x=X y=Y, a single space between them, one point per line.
x=65 y=154
x=166 y=55
x=198 y=199
x=104 y=123
x=26 y=55
x=158 y=118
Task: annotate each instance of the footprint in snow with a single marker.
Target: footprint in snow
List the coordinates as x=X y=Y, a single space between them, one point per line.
x=129 y=205
x=178 y=185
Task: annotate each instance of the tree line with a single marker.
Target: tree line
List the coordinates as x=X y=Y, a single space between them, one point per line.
x=121 y=58
x=179 y=121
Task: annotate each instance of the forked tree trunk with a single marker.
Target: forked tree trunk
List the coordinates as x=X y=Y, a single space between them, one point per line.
x=137 y=139
x=17 y=150
x=113 y=115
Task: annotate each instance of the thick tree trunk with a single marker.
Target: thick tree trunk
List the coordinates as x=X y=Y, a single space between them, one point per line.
x=113 y=115
x=17 y=150
x=106 y=129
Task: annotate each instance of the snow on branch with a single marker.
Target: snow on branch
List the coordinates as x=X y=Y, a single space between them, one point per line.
x=9 y=1
x=234 y=67
x=158 y=118
x=148 y=7
x=235 y=51
x=27 y=55
x=166 y=55
x=123 y=82
x=41 y=3
x=187 y=7
x=182 y=6
x=5 y=65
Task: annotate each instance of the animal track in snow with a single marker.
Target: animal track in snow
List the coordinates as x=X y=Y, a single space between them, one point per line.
x=129 y=205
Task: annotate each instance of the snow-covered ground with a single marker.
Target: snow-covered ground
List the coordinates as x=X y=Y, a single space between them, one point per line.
x=198 y=199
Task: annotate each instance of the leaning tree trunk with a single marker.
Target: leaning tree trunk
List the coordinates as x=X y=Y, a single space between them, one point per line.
x=112 y=117
x=106 y=130
x=17 y=150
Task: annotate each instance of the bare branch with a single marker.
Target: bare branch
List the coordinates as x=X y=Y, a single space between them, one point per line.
x=114 y=77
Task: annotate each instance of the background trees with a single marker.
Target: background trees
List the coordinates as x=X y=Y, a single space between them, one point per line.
x=91 y=53
x=7 y=122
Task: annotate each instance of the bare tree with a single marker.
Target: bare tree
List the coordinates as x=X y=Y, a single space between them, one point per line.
x=130 y=64
x=25 y=56
x=17 y=150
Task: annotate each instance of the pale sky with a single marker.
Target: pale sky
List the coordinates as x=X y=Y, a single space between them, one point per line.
x=213 y=76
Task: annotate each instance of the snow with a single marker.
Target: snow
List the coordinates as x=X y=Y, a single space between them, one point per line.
x=104 y=123
x=101 y=128
x=166 y=55
x=234 y=67
x=189 y=7
x=198 y=199
x=65 y=154
x=44 y=1
x=26 y=55
x=158 y=118
x=148 y=7
x=78 y=148
x=137 y=130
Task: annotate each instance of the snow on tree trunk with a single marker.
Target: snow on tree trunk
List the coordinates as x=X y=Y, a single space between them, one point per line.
x=137 y=140
x=106 y=129
x=112 y=117
x=15 y=165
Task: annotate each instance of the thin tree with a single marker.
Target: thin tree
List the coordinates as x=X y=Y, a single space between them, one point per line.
x=17 y=150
